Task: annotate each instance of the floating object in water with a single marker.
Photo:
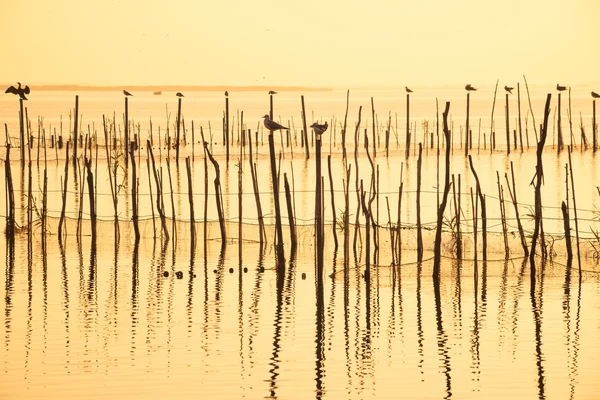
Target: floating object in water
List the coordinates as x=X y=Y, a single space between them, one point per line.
x=470 y=88
x=560 y=88
x=272 y=92
x=231 y=270
x=319 y=129
x=215 y=271
x=272 y=125
x=158 y=93
x=407 y=89
x=179 y=275
x=303 y=275
x=126 y=93
x=595 y=95
x=245 y=269
x=179 y=94
x=166 y=274
x=508 y=89
x=19 y=91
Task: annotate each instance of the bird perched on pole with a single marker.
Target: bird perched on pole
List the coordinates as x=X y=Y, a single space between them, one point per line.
x=272 y=125
x=595 y=95
x=19 y=91
x=560 y=88
x=179 y=94
x=319 y=129
x=226 y=93
x=126 y=93
x=508 y=89
x=407 y=89
x=272 y=92
x=470 y=88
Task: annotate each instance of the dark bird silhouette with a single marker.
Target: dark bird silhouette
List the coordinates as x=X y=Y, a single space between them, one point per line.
x=470 y=88
x=560 y=88
x=19 y=91
x=226 y=93
x=407 y=89
x=179 y=94
x=272 y=92
x=508 y=89
x=126 y=93
x=319 y=129
x=595 y=95
x=272 y=125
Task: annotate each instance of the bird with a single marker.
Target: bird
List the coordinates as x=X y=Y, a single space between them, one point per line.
x=319 y=129
x=179 y=94
x=272 y=125
x=126 y=93
x=560 y=88
x=508 y=89
x=470 y=88
x=226 y=93
x=407 y=89
x=272 y=92
x=595 y=95
x=20 y=91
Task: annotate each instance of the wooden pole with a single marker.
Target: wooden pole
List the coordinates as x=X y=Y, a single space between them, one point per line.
x=507 y=126
x=305 y=129
x=318 y=202
x=594 y=127
x=419 y=232
x=407 y=151
x=575 y=212
x=279 y=245
x=126 y=127
x=567 y=227
x=178 y=130
x=539 y=174
x=467 y=136
x=437 y=253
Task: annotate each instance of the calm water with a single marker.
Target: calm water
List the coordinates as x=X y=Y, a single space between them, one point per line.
x=83 y=321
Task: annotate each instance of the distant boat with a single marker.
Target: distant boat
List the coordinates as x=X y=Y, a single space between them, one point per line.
x=158 y=93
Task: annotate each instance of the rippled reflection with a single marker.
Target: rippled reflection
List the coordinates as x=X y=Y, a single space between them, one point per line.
x=131 y=319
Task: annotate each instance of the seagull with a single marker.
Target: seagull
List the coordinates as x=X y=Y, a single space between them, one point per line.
x=21 y=92
x=595 y=95
x=407 y=89
x=226 y=93
x=469 y=88
x=319 y=129
x=272 y=92
x=560 y=88
x=126 y=93
x=508 y=89
x=272 y=125
x=179 y=94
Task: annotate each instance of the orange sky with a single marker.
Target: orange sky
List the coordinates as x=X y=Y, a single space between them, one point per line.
x=311 y=43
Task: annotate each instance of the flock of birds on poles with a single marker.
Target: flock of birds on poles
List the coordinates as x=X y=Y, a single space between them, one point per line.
x=268 y=122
